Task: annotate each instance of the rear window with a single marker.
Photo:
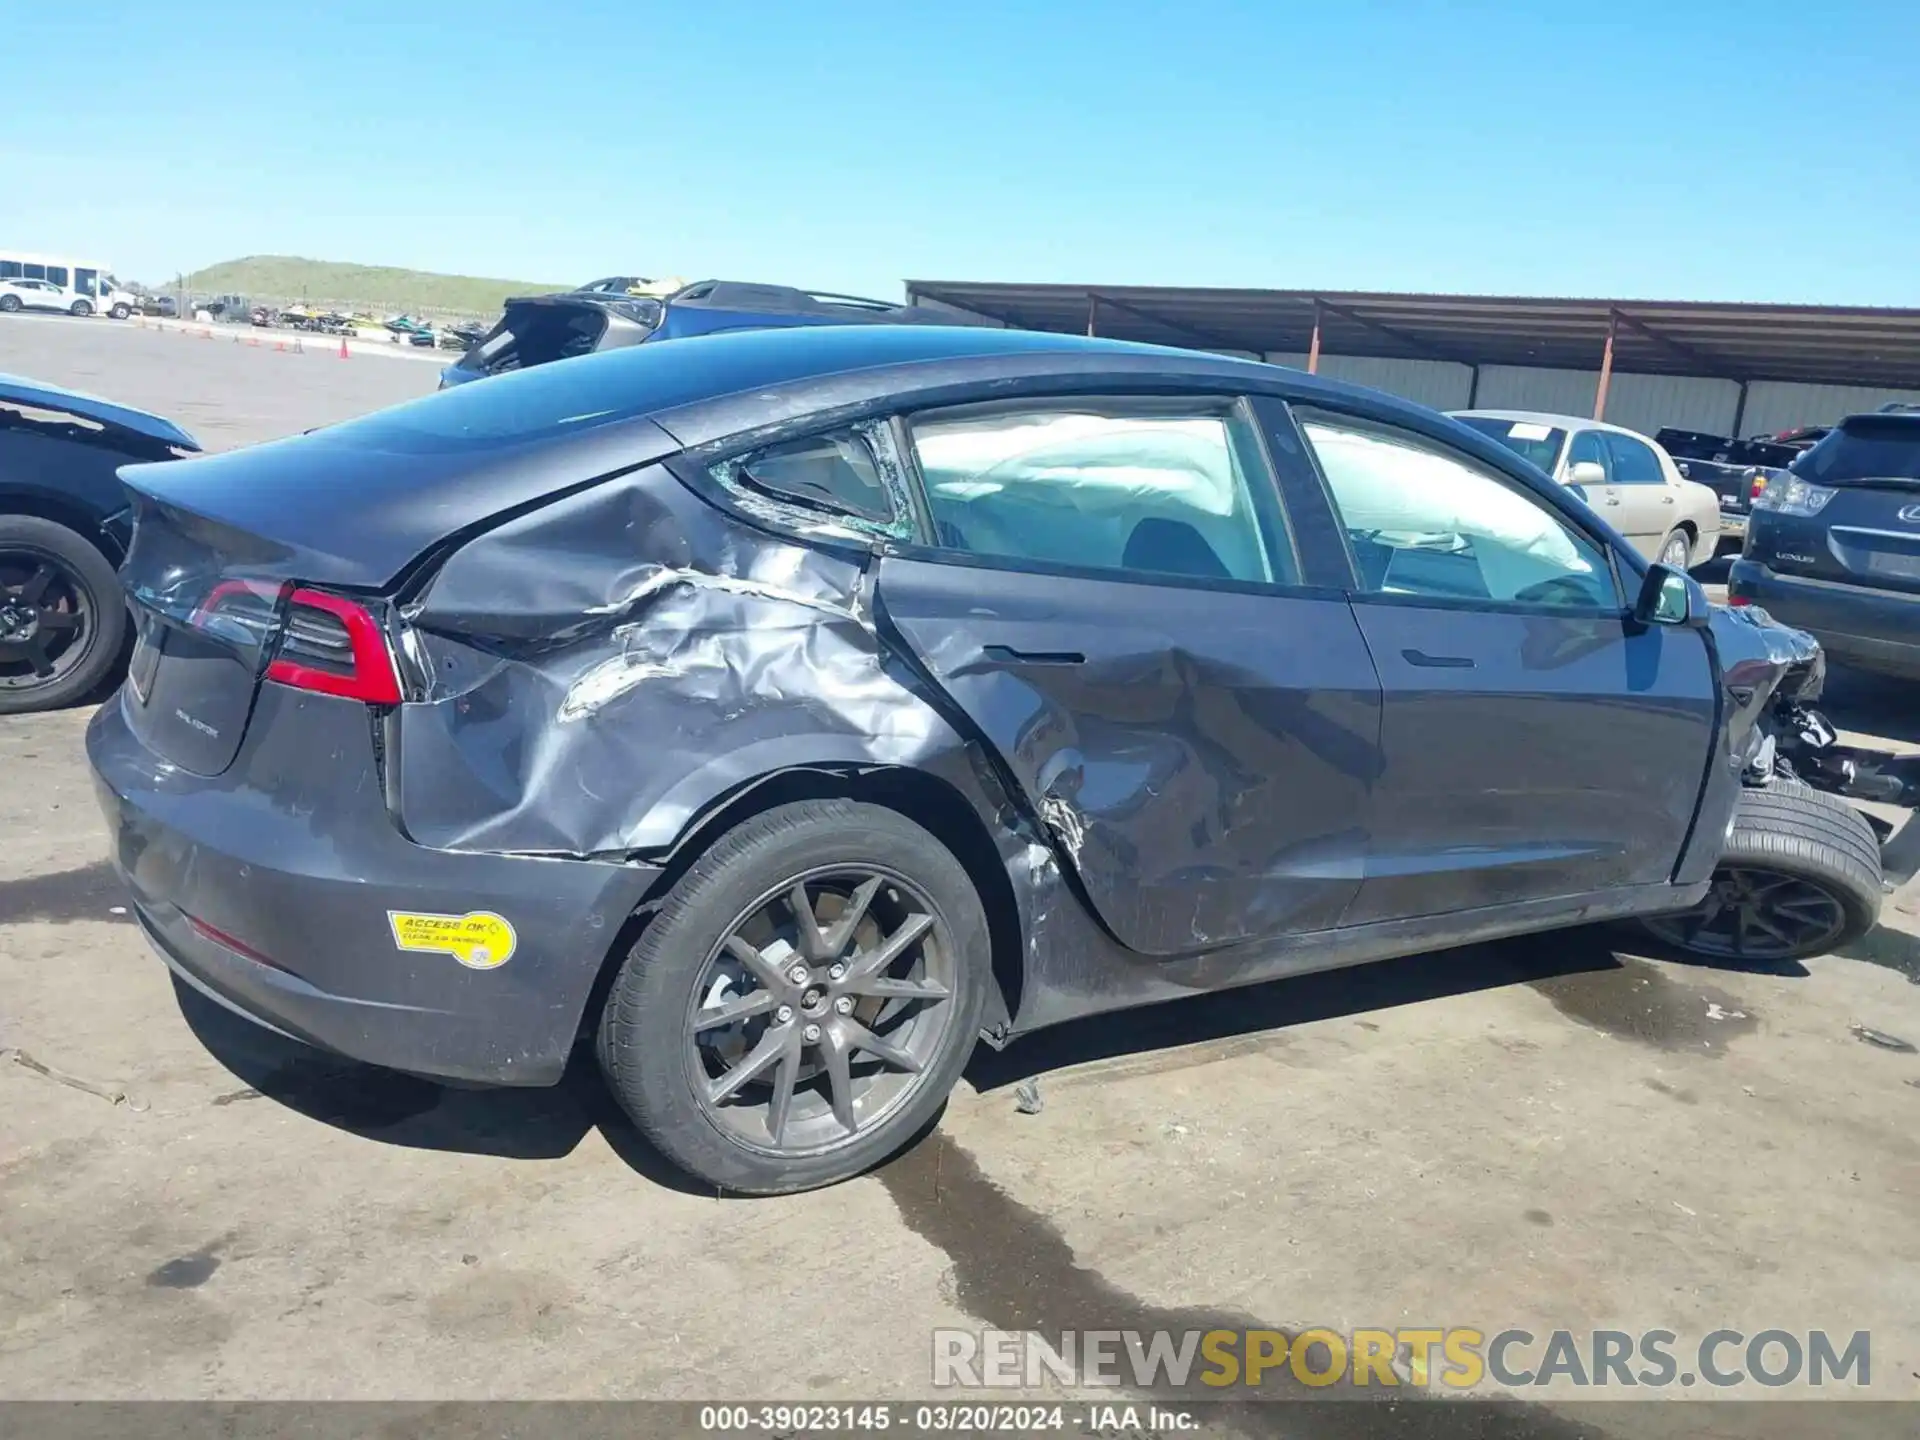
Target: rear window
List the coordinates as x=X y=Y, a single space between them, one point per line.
x=1867 y=448
x=1528 y=439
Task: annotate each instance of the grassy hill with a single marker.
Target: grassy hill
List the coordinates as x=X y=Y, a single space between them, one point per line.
x=281 y=279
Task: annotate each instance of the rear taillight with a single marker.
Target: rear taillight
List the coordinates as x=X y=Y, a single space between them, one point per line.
x=334 y=647
x=241 y=609
x=1790 y=495
x=1738 y=600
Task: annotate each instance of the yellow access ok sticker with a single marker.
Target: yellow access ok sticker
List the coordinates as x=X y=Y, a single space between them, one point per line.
x=479 y=940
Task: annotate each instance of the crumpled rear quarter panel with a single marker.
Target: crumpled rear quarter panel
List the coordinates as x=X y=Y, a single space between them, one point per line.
x=605 y=668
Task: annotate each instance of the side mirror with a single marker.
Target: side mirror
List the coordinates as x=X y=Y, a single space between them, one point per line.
x=1671 y=597
x=1586 y=472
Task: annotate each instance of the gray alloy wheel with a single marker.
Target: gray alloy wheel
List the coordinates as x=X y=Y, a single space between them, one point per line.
x=1800 y=876
x=1757 y=915
x=81 y=308
x=1677 y=550
x=9 y=303
x=818 y=1013
x=801 y=1000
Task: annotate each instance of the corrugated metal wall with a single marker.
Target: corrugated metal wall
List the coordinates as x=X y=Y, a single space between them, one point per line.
x=1640 y=402
x=1777 y=405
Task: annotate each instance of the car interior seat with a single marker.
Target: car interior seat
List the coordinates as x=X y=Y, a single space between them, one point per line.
x=1171 y=547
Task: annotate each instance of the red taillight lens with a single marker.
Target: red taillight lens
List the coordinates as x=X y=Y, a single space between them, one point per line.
x=1738 y=600
x=1759 y=484
x=248 y=602
x=334 y=647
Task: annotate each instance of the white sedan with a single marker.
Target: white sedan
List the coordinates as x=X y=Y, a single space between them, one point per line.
x=1623 y=475
x=41 y=295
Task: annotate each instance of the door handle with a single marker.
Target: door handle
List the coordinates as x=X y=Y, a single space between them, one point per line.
x=1612 y=499
x=1437 y=662
x=1666 y=499
x=1034 y=657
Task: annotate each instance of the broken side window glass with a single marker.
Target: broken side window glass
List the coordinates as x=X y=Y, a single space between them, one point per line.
x=846 y=483
x=834 y=472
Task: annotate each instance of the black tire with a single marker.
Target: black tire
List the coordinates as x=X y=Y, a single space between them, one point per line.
x=9 y=303
x=644 y=1040
x=120 y=312
x=1677 y=550
x=80 y=308
x=1803 y=841
x=85 y=575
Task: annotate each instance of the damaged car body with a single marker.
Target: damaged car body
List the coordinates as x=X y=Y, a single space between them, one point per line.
x=788 y=714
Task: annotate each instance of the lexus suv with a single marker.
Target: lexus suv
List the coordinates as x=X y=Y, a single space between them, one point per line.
x=1834 y=543
x=782 y=714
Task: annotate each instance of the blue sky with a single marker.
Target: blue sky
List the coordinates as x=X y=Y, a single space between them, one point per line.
x=1689 y=149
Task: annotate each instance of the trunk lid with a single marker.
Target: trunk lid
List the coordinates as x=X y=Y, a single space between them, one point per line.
x=279 y=555
x=205 y=609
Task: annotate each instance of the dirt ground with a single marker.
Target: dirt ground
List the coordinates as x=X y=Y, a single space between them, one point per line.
x=1553 y=1133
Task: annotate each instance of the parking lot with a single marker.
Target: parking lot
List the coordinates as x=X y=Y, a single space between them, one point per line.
x=1563 y=1132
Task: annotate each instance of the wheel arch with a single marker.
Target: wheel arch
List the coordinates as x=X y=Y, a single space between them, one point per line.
x=933 y=803
x=60 y=510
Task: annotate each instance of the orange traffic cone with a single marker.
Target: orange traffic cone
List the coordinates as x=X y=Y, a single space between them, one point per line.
x=343 y=349
x=279 y=347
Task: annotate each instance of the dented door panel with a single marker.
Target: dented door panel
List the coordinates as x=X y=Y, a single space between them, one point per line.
x=1201 y=757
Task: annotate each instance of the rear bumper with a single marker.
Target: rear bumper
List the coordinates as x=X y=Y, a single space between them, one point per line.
x=1733 y=524
x=1875 y=629
x=294 y=881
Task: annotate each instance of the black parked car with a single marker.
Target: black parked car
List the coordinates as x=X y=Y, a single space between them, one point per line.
x=1736 y=470
x=605 y=315
x=789 y=710
x=1834 y=543
x=64 y=525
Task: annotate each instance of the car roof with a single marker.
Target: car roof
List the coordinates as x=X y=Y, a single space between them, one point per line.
x=1547 y=417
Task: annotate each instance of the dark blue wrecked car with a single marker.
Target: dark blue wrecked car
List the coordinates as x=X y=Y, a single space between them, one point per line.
x=63 y=529
x=788 y=711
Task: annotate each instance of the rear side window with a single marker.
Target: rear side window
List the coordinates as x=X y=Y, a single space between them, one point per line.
x=1864 y=449
x=846 y=484
x=833 y=472
x=1166 y=489
x=1633 y=462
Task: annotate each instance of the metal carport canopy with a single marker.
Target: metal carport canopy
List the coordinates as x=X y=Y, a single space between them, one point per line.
x=1814 y=344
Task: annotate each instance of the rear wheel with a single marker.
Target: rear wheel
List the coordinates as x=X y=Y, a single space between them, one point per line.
x=1800 y=876
x=62 y=621
x=120 y=312
x=802 y=1002
x=81 y=308
x=9 y=303
x=1677 y=550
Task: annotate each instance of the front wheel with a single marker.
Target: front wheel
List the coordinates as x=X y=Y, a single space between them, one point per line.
x=803 y=1000
x=81 y=308
x=1800 y=876
x=1677 y=551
